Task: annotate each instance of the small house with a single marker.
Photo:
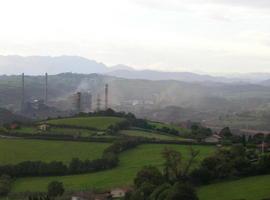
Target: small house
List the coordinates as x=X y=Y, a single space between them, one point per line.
x=44 y=127
x=213 y=139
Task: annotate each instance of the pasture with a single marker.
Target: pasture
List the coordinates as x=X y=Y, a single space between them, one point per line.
x=13 y=151
x=152 y=135
x=252 y=188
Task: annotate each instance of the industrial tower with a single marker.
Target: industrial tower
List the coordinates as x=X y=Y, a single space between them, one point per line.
x=78 y=101
x=98 y=102
x=22 y=98
x=106 y=96
x=46 y=89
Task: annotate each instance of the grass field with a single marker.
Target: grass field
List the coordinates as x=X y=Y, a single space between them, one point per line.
x=15 y=151
x=130 y=163
x=101 y=123
x=157 y=136
x=26 y=129
x=253 y=188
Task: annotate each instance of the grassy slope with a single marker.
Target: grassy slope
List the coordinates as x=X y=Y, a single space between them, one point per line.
x=14 y=151
x=101 y=123
x=253 y=188
x=130 y=162
x=137 y=133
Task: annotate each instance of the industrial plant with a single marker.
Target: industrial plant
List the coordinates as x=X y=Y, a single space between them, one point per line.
x=81 y=102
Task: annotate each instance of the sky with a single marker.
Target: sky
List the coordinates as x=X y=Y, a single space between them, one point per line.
x=212 y=36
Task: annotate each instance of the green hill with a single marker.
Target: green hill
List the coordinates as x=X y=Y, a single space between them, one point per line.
x=130 y=163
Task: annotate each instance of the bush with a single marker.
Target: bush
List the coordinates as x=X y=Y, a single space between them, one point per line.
x=150 y=175
x=55 y=189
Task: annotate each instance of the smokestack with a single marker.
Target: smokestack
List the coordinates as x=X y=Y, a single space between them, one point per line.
x=78 y=101
x=22 y=100
x=98 y=102
x=106 y=96
x=46 y=89
x=90 y=102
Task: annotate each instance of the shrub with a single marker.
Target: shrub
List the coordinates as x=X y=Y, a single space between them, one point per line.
x=55 y=189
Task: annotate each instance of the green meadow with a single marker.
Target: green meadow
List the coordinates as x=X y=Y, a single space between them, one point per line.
x=151 y=135
x=252 y=188
x=17 y=150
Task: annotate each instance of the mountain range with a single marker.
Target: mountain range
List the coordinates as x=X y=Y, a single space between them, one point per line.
x=37 y=65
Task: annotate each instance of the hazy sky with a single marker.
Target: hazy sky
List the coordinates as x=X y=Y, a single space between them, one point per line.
x=190 y=35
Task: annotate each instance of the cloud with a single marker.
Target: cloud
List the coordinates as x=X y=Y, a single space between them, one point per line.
x=188 y=4
x=244 y=3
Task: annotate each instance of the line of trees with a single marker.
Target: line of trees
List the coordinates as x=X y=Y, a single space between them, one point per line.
x=108 y=160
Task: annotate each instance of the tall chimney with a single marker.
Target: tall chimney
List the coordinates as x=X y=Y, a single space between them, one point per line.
x=98 y=102
x=22 y=98
x=106 y=96
x=78 y=101
x=90 y=102
x=46 y=89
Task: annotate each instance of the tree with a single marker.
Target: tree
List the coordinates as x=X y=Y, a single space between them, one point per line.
x=175 y=169
x=148 y=174
x=157 y=193
x=244 y=140
x=55 y=189
x=226 y=132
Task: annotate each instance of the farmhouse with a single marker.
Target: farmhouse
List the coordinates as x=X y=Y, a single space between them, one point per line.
x=213 y=139
x=44 y=127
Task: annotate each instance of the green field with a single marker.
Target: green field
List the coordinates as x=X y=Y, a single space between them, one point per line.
x=70 y=131
x=253 y=188
x=130 y=163
x=26 y=129
x=14 y=151
x=101 y=123
x=156 y=136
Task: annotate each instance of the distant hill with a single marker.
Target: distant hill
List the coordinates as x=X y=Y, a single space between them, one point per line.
x=159 y=75
x=54 y=65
